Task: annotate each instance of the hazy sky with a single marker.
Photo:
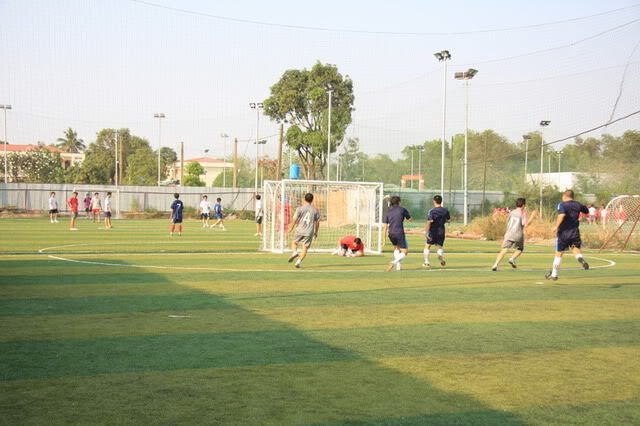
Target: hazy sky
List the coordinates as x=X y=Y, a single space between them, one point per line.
x=90 y=64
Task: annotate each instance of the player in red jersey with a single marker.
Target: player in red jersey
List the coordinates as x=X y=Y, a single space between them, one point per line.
x=350 y=246
x=73 y=206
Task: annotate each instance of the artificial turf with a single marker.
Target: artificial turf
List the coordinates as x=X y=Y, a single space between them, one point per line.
x=131 y=326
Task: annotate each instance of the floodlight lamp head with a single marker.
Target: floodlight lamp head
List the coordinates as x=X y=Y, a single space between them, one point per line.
x=459 y=76
x=224 y=135
x=260 y=105
x=526 y=137
x=446 y=54
x=438 y=56
x=471 y=73
x=252 y=105
x=545 y=123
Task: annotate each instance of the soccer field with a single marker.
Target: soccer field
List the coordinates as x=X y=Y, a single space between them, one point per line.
x=131 y=326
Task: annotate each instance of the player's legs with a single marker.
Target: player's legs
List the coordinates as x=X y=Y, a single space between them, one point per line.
x=172 y=228
x=440 y=251
x=51 y=217
x=499 y=258
x=294 y=250
x=55 y=217
x=426 y=251
x=72 y=224
x=578 y=254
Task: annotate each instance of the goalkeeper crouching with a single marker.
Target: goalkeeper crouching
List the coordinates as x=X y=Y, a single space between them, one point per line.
x=350 y=246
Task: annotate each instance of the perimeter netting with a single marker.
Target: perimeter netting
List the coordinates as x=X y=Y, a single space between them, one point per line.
x=346 y=208
x=621 y=223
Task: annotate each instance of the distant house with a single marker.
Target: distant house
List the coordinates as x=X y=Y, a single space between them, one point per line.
x=212 y=168
x=68 y=158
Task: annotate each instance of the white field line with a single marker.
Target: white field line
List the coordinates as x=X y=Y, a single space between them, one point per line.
x=609 y=264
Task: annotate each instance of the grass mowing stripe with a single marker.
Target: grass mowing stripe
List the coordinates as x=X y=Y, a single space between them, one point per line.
x=409 y=295
x=341 y=391
x=227 y=320
x=232 y=320
x=354 y=316
x=81 y=357
x=87 y=357
x=598 y=413
x=557 y=377
x=446 y=339
x=92 y=290
x=109 y=304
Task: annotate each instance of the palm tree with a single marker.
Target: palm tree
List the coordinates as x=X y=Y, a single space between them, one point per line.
x=70 y=142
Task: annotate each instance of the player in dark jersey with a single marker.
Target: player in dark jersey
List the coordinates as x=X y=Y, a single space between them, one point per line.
x=176 y=215
x=434 y=231
x=568 y=232
x=393 y=222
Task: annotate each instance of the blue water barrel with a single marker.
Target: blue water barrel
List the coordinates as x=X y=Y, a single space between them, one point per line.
x=294 y=171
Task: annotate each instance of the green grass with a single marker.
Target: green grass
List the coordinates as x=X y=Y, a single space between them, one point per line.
x=130 y=326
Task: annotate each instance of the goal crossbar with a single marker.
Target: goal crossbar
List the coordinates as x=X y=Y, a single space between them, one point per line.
x=346 y=208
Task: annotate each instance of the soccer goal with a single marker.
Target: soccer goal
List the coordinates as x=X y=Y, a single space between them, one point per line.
x=620 y=221
x=346 y=208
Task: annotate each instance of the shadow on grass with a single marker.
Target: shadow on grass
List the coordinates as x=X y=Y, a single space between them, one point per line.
x=280 y=375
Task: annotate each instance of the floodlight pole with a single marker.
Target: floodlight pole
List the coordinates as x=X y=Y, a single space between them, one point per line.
x=543 y=124
x=257 y=106
x=330 y=92
x=6 y=168
x=411 y=168
x=466 y=76
x=159 y=116
x=526 y=155
x=443 y=56
x=420 y=148
x=224 y=137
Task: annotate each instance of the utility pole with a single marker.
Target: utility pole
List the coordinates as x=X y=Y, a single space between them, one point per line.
x=484 y=175
x=235 y=163
x=280 y=142
x=543 y=124
x=181 y=163
x=330 y=92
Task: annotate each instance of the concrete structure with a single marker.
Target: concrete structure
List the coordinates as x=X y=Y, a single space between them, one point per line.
x=126 y=198
x=564 y=180
x=212 y=168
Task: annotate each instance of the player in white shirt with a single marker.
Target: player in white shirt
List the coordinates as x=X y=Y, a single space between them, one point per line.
x=107 y=211
x=205 y=209
x=53 y=208
x=259 y=215
x=96 y=207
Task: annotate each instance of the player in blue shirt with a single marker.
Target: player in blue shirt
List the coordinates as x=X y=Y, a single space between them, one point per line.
x=217 y=214
x=393 y=222
x=176 y=215
x=568 y=232
x=434 y=231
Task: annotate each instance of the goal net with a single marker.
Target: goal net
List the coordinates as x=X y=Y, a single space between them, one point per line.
x=621 y=223
x=346 y=208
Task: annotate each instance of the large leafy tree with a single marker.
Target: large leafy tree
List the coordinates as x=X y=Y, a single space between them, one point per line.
x=138 y=162
x=38 y=166
x=70 y=142
x=300 y=98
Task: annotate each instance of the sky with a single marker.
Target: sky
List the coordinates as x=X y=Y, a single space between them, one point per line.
x=92 y=64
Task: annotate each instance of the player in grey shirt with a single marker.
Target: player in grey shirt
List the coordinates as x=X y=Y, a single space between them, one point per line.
x=306 y=222
x=514 y=236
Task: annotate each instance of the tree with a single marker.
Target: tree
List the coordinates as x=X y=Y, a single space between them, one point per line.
x=99 y=163
x=71 y=142
x=38 y=166
x=300 y=98
x=194 y=171
x=167 y=158
x=246 y=174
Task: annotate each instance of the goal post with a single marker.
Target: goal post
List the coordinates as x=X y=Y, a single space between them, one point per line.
x=620 y=222
x=346 y=208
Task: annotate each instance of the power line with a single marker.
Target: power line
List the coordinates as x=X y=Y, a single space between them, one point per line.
x=339 y=30
x=566 y=138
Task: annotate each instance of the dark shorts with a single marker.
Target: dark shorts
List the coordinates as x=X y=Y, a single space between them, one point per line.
x=74 y=214
x=204 y=216
x=435 y=239
x=107 y=214
x=53 y=211
x=398 y=240
x=259 y=220
x=518 y=245
x=218 y=216
x=87 y=209
x=176 y=220
x=563 y=244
